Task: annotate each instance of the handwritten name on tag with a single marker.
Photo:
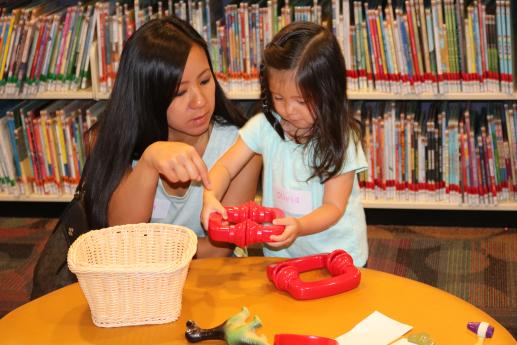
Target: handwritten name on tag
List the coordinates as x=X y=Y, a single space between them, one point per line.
x=293 y=201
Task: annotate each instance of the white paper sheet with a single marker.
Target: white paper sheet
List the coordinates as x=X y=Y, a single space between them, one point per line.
x=376 y=329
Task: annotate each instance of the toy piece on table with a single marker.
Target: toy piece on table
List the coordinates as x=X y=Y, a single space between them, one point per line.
x=285 y=275
x=421 y=339
x=244 y=224
x=482 y=329
x=298 y=339
x=235 y=331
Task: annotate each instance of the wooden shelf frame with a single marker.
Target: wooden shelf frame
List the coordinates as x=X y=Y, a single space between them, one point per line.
x=464 y=96
x=36 y=198
x=437 y=205
x=382 y=96
x=79 y=94
x=93 y=93
x=370 y=204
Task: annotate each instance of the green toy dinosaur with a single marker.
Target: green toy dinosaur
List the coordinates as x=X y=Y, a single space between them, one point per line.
x=421 y=339
x=235 y=331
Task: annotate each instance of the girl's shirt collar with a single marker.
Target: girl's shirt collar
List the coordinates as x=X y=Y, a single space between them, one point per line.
x=287 y=137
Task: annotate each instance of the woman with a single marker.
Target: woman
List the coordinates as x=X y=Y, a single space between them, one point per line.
x=166 y=123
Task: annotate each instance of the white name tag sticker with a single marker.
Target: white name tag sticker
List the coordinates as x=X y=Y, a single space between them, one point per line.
x=293 y=201
x=160 y=208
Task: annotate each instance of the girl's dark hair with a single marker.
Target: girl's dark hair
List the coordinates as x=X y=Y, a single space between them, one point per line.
x=148 y=78
x=315 y=55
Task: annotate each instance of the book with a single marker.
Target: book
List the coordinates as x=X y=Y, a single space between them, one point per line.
x=451 y=152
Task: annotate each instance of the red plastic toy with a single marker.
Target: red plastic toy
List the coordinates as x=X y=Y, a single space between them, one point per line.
x=298 y=339
x=286 y=275
x=243 y=226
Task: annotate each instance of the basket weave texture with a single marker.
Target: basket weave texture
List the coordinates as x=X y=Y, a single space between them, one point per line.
x=133 y=274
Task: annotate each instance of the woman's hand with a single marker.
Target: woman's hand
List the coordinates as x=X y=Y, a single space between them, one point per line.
x=211 y=204
x=291 y=232
x=177 y=162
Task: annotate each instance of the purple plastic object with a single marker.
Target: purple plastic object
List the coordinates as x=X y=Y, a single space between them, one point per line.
x=482 y=329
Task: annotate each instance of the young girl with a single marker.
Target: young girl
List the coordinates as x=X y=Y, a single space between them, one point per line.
x=310 y=145
x=166 y=123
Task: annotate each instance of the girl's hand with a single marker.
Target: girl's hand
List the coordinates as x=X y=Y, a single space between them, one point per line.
x=211 y=204
x=291 y=232
x=177 y=162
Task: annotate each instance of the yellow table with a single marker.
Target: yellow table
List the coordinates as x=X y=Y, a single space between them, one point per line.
x=218 y=288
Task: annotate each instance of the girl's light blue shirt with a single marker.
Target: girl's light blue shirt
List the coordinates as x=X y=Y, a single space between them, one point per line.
x=285 y=185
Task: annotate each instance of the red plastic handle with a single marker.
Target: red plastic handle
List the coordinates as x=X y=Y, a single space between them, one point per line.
x=242 y=226
x=252 y=211
x=286 y=275
x=298 y=339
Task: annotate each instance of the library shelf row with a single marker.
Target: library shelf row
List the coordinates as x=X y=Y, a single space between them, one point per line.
x=462 y=96
x=51 y=95
x=35 y=198
x=255 y=95
x=370 y=204
x=437 y=205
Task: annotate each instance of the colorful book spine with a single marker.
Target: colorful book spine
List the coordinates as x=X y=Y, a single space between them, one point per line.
x=437 y=152
x=451 y=44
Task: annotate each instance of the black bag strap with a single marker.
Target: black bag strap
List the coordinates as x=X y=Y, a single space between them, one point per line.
x=79 y=190
x=51 y=271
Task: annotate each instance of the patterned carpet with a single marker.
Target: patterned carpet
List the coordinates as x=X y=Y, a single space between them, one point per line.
x=475 y=264
x=21 y=241
x=478 y=265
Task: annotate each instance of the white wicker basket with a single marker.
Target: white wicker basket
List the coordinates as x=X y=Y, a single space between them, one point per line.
x=133 y=274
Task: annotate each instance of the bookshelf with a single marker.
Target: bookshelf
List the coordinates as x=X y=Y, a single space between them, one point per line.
x=83 y=94
x=233 y=95
x=36 y=198
x=104 y=95
x=446 y=206
x=384 y=96
x=255 y=95
x=374 y=76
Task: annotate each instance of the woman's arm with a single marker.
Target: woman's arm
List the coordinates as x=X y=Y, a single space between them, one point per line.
x=335 y=198
x=132 y=201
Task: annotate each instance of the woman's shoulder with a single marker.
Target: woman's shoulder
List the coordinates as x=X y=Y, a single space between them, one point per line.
x=221 y=138
x=225 y=129
x=224 y=134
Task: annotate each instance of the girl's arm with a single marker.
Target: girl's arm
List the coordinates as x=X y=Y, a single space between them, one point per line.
x=222 y=175
x=335 y=198
x=132 y=201
x=242 y=188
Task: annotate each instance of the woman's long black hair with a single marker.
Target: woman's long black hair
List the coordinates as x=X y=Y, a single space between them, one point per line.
x=314 y=54
x=150 y=71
